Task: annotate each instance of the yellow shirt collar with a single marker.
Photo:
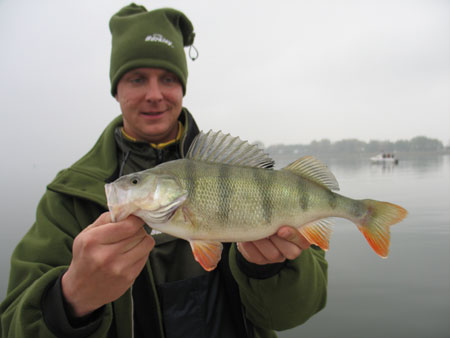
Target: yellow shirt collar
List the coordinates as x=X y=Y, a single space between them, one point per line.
x=159 y=145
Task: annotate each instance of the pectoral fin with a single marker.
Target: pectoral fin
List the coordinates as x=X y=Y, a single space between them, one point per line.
x=208 y=254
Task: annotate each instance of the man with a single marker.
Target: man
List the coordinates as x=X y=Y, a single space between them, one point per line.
x=77 y=274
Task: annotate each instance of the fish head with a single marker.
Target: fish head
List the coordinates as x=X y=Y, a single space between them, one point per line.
x=157 y=195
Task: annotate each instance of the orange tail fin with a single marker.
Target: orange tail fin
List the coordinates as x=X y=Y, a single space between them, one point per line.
x=375 y=225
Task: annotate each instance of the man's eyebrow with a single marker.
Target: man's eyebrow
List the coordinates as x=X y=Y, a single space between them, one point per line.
x=134 y=72
x=166 y=73
x=171 y=75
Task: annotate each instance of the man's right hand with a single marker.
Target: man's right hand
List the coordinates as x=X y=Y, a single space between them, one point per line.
x=107 y=258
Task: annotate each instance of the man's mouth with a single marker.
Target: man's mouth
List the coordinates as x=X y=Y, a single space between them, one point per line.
x=156 y=113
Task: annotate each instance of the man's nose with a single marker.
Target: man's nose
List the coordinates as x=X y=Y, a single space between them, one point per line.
x=154 y=93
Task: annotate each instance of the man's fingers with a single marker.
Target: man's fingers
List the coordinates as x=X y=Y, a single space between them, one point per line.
x=104 y=218
x=110 y=233
x=287 y=243
x=127 y=229
x=269 y=250
x=132 y=242
x=251 y=253
x=288 y=249
x=138 y=264
x=294 y=236
x=260 y=252
x=129 y=243
x=140 y=250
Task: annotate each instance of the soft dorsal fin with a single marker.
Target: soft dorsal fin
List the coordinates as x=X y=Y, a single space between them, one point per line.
x=217 y=147
x=312 y=169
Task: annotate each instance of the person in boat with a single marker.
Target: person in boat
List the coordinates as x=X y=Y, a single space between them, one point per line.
x=77 y=274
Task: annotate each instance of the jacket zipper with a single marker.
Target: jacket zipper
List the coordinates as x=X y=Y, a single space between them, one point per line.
x=183 y=138
x=159 y=157
x=132 y=312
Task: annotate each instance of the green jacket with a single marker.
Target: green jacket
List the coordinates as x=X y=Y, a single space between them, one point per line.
x=74 y=200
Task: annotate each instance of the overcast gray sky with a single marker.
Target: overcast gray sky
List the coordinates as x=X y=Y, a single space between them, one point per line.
x=270 y=71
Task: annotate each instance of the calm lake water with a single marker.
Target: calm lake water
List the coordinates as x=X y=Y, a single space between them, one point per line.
x=406 y=295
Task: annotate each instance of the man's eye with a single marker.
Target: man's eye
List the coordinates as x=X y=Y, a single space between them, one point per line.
x=169 y=79
x=137 y=80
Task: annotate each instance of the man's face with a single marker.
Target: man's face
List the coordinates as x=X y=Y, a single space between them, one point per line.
x=151 y=102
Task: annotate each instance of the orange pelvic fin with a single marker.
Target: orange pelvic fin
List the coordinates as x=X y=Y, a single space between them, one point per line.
x=318 y=233
x=208 y=254
x=375 y=225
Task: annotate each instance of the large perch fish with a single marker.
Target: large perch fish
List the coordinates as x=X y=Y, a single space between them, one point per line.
x=223 y=191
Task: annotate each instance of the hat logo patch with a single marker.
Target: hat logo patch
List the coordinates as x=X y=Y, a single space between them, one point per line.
x=159 y=38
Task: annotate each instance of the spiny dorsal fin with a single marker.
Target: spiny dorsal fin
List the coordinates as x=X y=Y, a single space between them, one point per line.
x=217 y=147
x=312 y=169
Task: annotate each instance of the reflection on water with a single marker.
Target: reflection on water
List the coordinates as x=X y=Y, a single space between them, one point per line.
x=353 y=163
x=406 y=295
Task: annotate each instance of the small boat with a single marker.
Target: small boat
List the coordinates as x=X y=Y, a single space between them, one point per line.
x=384 y=158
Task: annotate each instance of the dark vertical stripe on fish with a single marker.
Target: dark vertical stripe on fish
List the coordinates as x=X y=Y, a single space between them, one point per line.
x=264 y=183
x=191 y=179
x=332 y=200
x=223 y=185
x=303 y=195
x=358 y=209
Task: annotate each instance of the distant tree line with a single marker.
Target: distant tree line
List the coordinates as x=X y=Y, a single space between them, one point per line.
x=416 y=144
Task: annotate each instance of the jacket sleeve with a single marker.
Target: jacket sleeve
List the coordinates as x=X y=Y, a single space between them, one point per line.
x=36 y=264
x=287 y=298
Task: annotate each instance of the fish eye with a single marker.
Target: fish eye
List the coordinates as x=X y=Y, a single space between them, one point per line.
x=134 y=180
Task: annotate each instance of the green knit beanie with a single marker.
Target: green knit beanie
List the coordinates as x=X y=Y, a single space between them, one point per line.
x=149 y=39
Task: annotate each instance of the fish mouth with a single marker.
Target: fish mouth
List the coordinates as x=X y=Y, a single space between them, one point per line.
x=118 y=213
x=117 y=209
x=112 y=197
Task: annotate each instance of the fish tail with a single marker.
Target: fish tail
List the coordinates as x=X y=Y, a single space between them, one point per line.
x=375 y=224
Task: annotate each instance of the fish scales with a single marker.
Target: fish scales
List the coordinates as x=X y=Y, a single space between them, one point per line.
x=226 y=191
x=222 y=195
x=191 y=178
x=258 y=180
x=243 y=199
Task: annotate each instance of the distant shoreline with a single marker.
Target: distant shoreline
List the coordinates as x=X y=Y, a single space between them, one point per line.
x=417 y=145
x=398 y=154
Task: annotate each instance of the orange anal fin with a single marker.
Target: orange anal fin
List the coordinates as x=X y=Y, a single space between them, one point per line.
x=318 y=233
x=208 y=254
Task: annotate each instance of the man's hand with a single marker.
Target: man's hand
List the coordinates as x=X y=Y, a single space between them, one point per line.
x=107 y=258
x=286 y=243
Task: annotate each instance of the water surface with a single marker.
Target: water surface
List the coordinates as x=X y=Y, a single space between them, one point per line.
x=408 y=294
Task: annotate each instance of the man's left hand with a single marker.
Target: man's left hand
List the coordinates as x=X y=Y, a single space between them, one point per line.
x=286 y=243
